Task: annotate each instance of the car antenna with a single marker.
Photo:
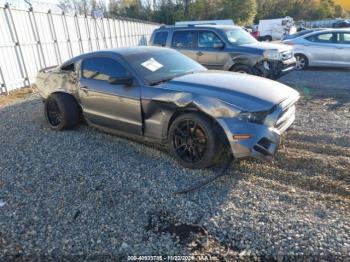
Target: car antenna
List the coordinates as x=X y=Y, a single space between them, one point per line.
x=209 y=180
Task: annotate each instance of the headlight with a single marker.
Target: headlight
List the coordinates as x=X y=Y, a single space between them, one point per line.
x=254 y=117
x=272 y=55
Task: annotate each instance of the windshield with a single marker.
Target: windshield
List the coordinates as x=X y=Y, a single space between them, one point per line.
x=156 y=67
x=238 y=36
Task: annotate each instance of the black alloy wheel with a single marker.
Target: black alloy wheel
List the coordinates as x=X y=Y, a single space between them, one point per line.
x=54 y=114
x=193 y=140
x=62 y=111
x=190 y=141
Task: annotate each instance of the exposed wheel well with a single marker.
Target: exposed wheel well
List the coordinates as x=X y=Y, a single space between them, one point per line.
x=218 y=129
x=75 y=99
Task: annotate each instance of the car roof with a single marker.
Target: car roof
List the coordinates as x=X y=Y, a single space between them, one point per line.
x=323 y=31
x=332 y=30
x=122 y=51
x=199 y=26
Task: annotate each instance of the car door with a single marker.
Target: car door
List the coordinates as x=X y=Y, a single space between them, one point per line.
x=185 y=42
x=320 y=48
x=342 y=50
x=105 y=104
x=210 y=50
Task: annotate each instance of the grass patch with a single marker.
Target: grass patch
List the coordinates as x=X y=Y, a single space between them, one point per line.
x=15 y=95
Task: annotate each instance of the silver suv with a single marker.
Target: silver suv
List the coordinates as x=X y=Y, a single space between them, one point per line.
x=227 y=48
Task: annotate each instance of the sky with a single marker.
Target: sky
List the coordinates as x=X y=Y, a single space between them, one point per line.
x=40 y=5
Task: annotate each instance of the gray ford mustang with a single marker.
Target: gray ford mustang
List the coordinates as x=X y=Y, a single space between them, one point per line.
x=159 y=95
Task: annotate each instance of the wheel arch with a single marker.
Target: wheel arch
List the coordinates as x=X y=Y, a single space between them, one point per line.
x=242 y=61
x=304 y=55
x=216 y=125
x=68 y=94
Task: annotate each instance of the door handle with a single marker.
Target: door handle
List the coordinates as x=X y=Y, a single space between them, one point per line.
x=338 y=47
x=200 y=53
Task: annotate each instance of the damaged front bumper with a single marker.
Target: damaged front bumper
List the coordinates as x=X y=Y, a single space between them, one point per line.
x=276 y=69
x=259 y=140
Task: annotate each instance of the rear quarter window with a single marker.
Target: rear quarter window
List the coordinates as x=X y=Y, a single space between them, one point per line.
x=160 y=38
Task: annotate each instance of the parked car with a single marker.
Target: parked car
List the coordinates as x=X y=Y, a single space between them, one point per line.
x=341 y=24
x=330 y=48
x=159 y=95
x=301 y=33
x=227 y=48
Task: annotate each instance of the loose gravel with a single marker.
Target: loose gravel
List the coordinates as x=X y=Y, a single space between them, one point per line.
x=87 y=194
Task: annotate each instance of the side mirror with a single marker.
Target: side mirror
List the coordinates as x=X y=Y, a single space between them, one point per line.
x=126 y=80
x=219 y=45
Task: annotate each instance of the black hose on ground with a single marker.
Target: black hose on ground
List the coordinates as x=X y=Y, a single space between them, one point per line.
x=209 y=180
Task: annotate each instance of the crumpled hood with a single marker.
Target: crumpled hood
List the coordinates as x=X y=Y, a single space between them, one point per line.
x=264 y=46
x=245 y=92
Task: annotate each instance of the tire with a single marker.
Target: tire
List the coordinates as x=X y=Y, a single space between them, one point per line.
x=268 y=38
x=243 y=69
x=61 y=111
x=302 y=62
x=193 y=142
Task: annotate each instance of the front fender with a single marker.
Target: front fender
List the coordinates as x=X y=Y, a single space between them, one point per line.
x=160 y=110
x=250 y=61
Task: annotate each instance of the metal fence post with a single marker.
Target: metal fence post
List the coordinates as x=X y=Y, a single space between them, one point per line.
x=3 y=88
x=66 y=33
x=120 y=39
x=88 y=32
x=115 y=32
x=109 y=31
x=103 y=31
x=77 y=28
x=18 y=50
x=35 y=32
x=54 y=37
x=124 y=32
x=96 y=34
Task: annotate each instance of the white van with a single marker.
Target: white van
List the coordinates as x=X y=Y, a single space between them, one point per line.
x=276 y=29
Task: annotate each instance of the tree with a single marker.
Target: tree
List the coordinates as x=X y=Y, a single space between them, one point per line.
x=242 y=12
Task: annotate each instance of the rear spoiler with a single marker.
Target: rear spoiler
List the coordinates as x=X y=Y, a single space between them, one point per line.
x=47 y=68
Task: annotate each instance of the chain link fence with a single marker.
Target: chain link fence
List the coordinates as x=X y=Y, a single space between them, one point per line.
x=32 y=40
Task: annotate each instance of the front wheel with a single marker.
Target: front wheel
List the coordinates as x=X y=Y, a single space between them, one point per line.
x=301 y=62
x=193 y=142
x=243 y=69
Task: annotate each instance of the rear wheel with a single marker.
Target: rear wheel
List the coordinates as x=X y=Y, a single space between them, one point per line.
x=193 y=142
x=268 y=38
x=61 y=111
x=301 y=62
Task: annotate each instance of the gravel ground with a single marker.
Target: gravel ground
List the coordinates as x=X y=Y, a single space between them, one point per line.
x=86 y=194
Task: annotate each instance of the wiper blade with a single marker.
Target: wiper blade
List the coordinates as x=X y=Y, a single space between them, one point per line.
x=170 y=78
x=161 y=81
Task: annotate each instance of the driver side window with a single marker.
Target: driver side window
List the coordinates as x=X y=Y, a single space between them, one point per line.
x=102 y=68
